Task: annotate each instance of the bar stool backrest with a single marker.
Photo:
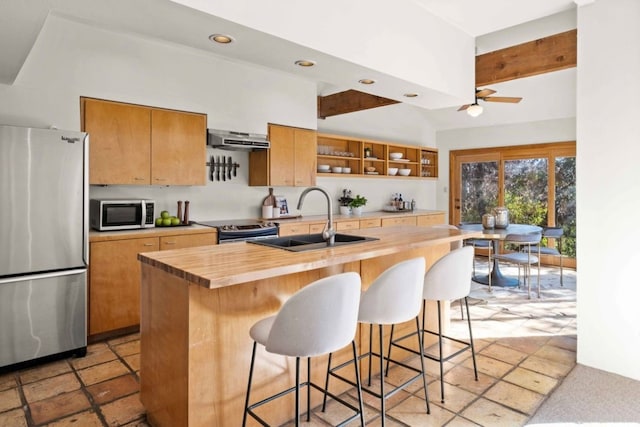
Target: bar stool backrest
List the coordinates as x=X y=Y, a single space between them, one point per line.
x=394 y=296
x=449 y=278
x=320 y=318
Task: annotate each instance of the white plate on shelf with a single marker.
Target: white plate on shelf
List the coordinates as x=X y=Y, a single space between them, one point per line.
x=401 y=160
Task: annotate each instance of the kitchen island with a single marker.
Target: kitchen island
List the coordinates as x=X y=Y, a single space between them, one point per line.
x=198 y=304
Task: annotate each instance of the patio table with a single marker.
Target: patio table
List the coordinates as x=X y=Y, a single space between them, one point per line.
x=496 y=235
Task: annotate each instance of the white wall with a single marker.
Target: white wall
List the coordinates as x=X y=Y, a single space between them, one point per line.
x=71 y=59
x=608 y=189
x=495 y=136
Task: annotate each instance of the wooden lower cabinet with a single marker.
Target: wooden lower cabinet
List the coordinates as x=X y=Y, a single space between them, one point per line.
x=401 y=220
x=348 y=225
x=293 y=229
x=114 y=278
x=434 y=219
x=370 y=223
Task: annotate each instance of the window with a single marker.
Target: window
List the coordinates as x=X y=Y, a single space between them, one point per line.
x=535 y=182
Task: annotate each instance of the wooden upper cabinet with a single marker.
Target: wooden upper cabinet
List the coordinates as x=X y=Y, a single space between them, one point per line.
x=178 y=147
x=134 y=144
x=118 y=153
x=290 y=161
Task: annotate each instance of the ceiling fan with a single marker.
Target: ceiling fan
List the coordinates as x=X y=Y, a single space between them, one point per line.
x=475 y=109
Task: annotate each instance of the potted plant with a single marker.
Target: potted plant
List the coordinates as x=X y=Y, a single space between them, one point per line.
x=357 y=203
x=346 y=198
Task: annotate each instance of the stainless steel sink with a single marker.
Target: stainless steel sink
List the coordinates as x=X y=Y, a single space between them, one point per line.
x=308 y=242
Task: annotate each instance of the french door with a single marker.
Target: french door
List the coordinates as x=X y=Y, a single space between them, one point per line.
x=535 y=182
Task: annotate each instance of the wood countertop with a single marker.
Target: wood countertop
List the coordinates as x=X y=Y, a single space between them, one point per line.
x=230 y=264
x=365 y=215
x=103 y=236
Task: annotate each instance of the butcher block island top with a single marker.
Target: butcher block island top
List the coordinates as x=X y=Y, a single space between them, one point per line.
x=234 y=263
x=198 y=304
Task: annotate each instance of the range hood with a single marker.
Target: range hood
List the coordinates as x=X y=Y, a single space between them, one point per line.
x=230 y=140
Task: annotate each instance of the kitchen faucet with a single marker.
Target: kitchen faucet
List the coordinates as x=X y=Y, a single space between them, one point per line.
x=328 y=234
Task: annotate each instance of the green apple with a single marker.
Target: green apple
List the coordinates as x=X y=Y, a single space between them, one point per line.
x=165 y=214
x=175 y=221
x=166 y=221
x=158 y=222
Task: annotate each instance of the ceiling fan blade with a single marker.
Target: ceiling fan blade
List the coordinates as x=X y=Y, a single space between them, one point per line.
x=484 y=92
x=511 y=99
x=464 y=107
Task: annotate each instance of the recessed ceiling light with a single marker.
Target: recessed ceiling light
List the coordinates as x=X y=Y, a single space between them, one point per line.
x=366 y=81
x=221 y=38
x=305 y=63
x=410 y=95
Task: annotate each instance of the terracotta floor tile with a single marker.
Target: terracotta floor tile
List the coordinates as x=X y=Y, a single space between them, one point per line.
x=44 y=371
x=567 y=342
x=9 y=399
x=489 y=366
x=374 y=402
x=123 y=410
x=531 y=380
x=127 y=348
x=50 y=387
x=133 y=361
x=504 y=354
x=529 y=344
x=412 y=412
x=113 y=389
x=7 y=381
x=96 y=354
x=123 y=339
x=83 y=419
x=461 y=422
x=487 y=413
x=58 y=406
x=336 y=412
x=515 y=397
x=14 y=418
x=455 y=398
x=463 y=377
x=102 y=372
x=547 y=367
x=137 y=423
x=557 y=354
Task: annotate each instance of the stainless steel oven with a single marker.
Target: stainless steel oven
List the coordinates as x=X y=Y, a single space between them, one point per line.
x=242 y=230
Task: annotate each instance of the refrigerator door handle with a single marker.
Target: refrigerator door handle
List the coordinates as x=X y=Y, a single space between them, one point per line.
x=24 y=278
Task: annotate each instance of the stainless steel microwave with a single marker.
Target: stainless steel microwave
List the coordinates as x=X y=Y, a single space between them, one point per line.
x=119 y=214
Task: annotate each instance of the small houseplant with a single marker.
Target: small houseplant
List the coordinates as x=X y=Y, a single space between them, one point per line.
x=357 y=203
x=344 y=202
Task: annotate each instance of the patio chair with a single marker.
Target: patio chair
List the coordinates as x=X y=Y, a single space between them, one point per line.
x=526 y=255
x=555 y=233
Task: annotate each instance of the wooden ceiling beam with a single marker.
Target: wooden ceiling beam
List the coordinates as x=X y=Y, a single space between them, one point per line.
x=553 y=53
x=348 y=102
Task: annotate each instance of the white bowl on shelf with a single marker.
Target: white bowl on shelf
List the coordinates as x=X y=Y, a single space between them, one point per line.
x=395 y=156
x=404 y=172
x=324 y=168
x=346 y=170
x=336 y=169
x=392 y=171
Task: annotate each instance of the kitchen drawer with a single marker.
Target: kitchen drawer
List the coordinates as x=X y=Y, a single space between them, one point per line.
x=370 y=223
x=405 y=220
x=348 y=225
x=187 y=241
x=292 y=229
x=316 y=228
x=426 y=220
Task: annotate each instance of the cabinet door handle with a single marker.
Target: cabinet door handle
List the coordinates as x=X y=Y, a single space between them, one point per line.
x=137 y=178
x=149 y=244
x=160 y=179
x=170 y=243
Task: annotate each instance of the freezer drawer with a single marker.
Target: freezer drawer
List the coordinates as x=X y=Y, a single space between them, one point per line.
x=42 y=315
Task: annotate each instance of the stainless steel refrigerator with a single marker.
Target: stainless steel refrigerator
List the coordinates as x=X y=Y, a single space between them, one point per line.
x=43 y=243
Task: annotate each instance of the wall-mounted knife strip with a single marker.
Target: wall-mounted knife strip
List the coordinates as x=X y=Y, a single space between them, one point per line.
x=222 y=168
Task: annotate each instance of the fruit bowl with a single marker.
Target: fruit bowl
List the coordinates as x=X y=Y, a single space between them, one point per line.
x=395 y=156
x=404 y=172
x=392 y=171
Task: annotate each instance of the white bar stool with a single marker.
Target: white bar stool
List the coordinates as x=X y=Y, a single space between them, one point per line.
x=448 y=279
x=392 y=298
x=320 y=318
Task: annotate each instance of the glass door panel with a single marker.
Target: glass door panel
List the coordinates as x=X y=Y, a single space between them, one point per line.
x=526 y=190
x=565 y=202
x=478 y=190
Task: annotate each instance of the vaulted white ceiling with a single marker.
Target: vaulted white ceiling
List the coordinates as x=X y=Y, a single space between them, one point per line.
x=490 y=21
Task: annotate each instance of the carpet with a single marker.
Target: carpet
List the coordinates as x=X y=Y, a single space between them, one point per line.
x=591 y=396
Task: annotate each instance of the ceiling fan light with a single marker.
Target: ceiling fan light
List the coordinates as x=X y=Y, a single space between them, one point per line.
x=474 y=110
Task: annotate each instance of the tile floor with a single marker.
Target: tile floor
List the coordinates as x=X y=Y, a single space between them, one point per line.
x=524 y=348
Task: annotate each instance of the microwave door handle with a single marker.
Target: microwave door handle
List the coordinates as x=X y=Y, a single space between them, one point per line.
x=143 y=219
